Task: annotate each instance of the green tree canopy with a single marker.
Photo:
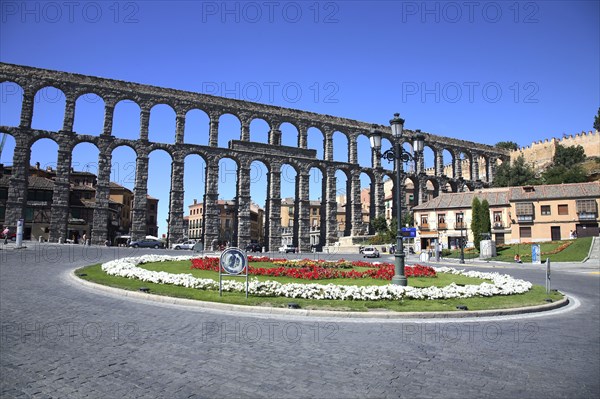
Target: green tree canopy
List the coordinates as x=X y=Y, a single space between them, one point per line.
x=568 y=156
x=597 y=120
x=380 y=224
x=519 y=173
x=507 y=145
x=486 y=222
x=476 y=221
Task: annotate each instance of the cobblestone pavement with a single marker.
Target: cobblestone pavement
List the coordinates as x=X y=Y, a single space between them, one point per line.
x=60 y=341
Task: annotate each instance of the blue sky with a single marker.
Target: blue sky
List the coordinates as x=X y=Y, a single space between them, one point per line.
x=481 y=71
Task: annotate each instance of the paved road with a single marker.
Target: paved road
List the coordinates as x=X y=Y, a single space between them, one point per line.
x=58 y=340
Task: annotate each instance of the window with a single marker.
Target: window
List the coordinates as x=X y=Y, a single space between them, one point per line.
x=152 y=207
x=524 y=212
x=525 y=232
x=545 y=210
x=497 y=217
x=563 y=209
x=424 y=221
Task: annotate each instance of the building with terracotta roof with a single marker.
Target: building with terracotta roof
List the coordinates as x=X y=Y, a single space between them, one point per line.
x=517 y=214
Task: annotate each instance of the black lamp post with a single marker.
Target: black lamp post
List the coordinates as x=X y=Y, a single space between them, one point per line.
x=399 y=155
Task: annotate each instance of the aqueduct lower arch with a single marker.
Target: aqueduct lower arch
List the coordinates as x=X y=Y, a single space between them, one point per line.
x=243 y=151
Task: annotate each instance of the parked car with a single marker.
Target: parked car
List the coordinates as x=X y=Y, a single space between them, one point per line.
x=147 y=244
x=253 y=247
x=370 y=252
x=287 y=248
x=184 y=245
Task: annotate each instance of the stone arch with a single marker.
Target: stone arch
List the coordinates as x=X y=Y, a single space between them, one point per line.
x=49 y=109
x=316 y=141
x=194 y=183
x=429 y=157
x=230 y=127
x=289 y=134
x=89 y=114
x=447 y=161
x=364 y=150
x=12 y=102
x=341 y=147
x=197 y=126
x=259 y=130
x=432 y=189
x=162 y=125
x=81 y=160
x=159 y=169
x=126 y=119
x=7 y=152
x=343 y=199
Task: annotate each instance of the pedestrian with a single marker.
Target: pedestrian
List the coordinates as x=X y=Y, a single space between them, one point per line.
x=84 y=238
x=518 y=259
x=6 y=232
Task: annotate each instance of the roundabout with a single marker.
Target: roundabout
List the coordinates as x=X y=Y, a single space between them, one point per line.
x=63 y=339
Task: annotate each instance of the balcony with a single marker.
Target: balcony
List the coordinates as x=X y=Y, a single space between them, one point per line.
x=498 y=225
x=460 y=226
x=587 y=216
x=424 y=227
x=442 y=226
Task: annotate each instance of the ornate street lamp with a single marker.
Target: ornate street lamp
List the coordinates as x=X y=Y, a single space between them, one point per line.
x=399 y=155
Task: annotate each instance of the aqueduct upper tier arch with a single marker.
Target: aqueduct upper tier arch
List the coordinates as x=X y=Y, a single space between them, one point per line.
x=31 y=80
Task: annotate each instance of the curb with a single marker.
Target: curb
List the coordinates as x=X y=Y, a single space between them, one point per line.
x=265 y=311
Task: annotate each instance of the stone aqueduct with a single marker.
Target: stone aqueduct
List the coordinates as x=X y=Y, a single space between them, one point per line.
x=242 y=151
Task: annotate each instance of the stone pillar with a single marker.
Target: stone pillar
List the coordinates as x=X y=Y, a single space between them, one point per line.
x=243 y=209
x=211 y=218
x=302 y=135
x=328 y=154
x=27 y=109
x=17 y=185
x=303 y=212
x=348 y=207
x=176 y=200
x=457 y=166
x=475 y=167
x=144 y=121
x=439 y=162
x=213 y=134
x=274 y=207
x=140 y=191
x=109 y=110
x=69 y=113
x=379 y=195
x=353 y=154
x=179 y=127
x=491 y=169
x=420 y=162
x=59 y=221
x=331 y=207
x=245 y=129
x=375 y=159
x=421 y=196
x=356 y=204
x=100 y=229
x=275 y=136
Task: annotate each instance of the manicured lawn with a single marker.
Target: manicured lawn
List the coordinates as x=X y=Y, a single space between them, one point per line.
x=575 y=252
x=536 y=296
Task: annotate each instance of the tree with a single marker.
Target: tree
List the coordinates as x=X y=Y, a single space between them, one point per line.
x=507 y=145
x=476 y=221
x=380 y=224
x=393 y=228
x=486 y=222
x=561 y=174
x=518 y=174
x=597 y=121
x=568 y=156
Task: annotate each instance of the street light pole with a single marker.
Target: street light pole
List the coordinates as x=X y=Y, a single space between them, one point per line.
x=398 y=155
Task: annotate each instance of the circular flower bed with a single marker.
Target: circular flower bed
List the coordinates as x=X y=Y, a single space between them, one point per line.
x=501 y=284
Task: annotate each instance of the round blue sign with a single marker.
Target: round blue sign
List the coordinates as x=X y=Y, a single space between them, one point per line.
x=233 y=260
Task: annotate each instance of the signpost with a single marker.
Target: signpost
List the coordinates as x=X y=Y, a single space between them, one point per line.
x=536 y=254
x=547 y=276
x=232 y=263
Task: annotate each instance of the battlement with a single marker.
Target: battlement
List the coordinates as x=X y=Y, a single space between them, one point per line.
x=540 y=153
